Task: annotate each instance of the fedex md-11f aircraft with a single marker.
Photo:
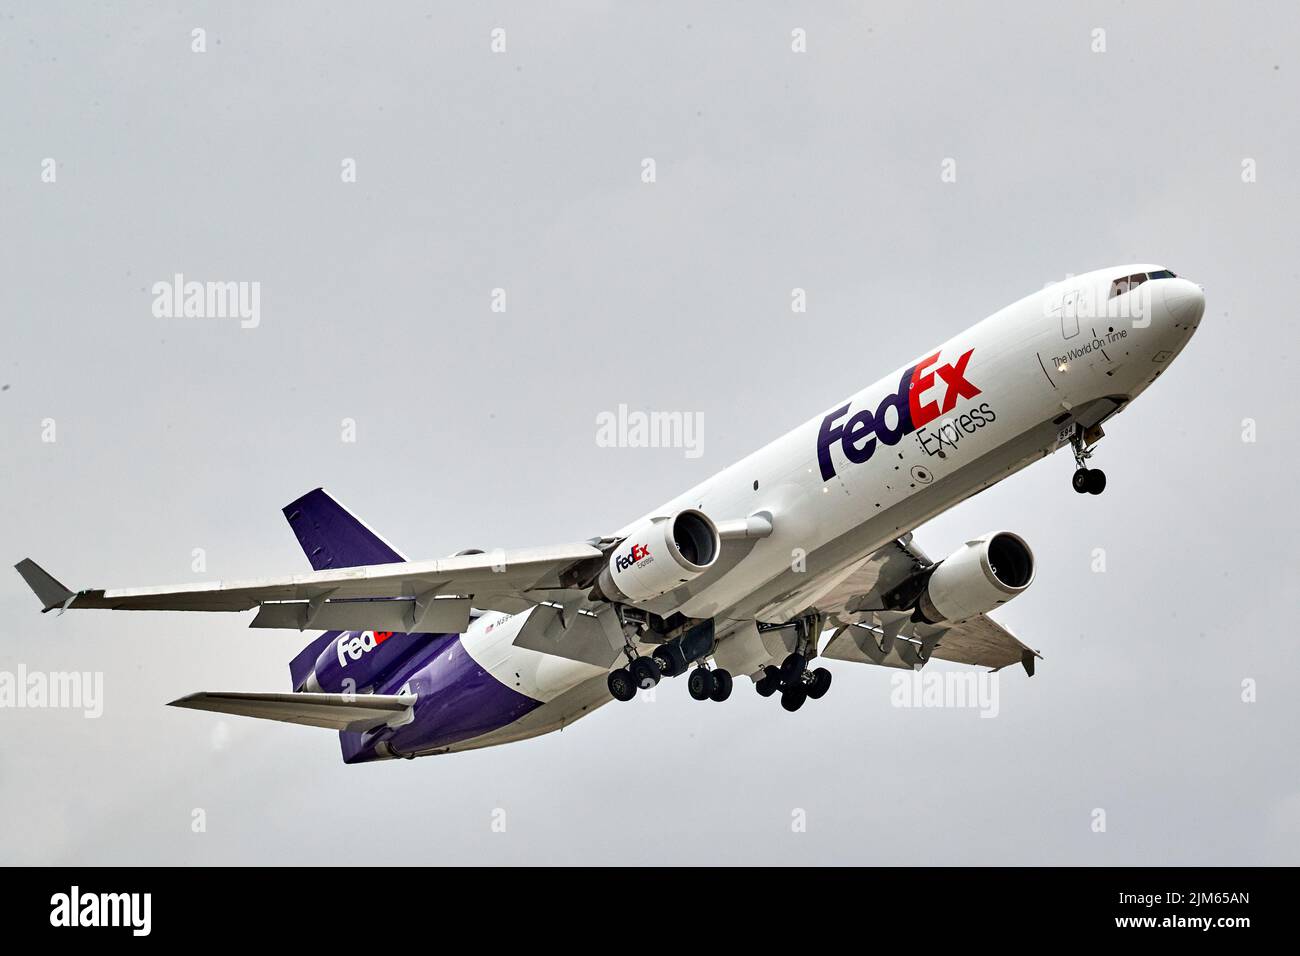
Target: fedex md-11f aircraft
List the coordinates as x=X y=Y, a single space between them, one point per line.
x=803 y=549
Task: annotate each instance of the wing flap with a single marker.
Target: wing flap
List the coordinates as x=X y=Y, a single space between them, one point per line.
x=855 y=606
x=594 y=639
x=443 y=615
x=980 y=642
x=861 y=645
x=353 y=712
x=983 y=642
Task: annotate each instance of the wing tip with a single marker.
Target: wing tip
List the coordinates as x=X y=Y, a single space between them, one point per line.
x=1027 y=658
x=44 y=585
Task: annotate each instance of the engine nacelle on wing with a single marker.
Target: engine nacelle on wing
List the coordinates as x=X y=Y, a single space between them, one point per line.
x=659 y=555
x=976 y=578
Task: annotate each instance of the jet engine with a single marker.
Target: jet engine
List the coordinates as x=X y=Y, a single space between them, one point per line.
x=658 y=555
x=976 y=578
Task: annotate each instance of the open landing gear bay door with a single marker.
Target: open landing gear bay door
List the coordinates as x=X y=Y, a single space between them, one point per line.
x=869 y=635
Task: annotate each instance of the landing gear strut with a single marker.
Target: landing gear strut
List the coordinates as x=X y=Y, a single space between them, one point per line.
x=669 y=659
x=793 y=679
x=1086 y=480
x=641 y=673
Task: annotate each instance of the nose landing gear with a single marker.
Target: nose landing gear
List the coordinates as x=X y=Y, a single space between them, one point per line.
x=1091 y=481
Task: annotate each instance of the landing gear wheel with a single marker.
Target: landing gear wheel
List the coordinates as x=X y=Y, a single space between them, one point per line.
x=700 y=683
x=1096 y=481
x=621 y=685
x=645 y=672
x=792 y=697
x=1080 y=481
x=821 y=683
x=671 y=661
x=792 y=668
x=769 y=683
x=721 y=685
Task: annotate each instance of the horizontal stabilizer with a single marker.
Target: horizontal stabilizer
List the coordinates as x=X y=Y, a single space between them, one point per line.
x=354 y=712
x=51 y=592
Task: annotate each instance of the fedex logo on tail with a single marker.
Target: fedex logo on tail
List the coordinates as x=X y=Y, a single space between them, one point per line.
x=925 y=391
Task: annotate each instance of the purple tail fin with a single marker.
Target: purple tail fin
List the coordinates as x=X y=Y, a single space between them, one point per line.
x=333 y=537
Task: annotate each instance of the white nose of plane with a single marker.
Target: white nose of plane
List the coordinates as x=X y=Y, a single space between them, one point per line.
x=1184 y=301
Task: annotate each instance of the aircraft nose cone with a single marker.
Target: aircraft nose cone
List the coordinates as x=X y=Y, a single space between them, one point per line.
x=1185 y=301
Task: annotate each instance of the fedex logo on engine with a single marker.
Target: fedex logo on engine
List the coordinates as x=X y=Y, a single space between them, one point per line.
x=858 y=435
x=637 y=553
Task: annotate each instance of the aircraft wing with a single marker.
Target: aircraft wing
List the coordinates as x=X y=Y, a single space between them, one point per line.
x=867 y=634
x=411 y=596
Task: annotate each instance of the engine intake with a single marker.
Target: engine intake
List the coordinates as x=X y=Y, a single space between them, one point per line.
x=976 y=578
x=658 y=555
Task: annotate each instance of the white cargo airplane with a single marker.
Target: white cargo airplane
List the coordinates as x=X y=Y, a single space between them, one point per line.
x=802 y=548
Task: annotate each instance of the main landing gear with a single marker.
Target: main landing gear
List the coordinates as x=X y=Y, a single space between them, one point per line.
x=667 y=660
x=1091 y=481
x=793 y=679
x=645 y=672
x=705 y=684
x=641 y=673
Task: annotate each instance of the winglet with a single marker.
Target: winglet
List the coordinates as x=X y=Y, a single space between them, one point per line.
x=51 y=592
x=1027 y=661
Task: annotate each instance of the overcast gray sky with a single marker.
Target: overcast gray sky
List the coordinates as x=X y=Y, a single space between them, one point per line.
x=522 y=171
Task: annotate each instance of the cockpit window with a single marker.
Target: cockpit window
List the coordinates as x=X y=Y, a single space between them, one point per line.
x=1162 y=274
x=1127 y=284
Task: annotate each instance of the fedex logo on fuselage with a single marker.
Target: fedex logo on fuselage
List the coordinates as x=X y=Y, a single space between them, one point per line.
x=858 y=435
x=637 y=553
x=351 y=648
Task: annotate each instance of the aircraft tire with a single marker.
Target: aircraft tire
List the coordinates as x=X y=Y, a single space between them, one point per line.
x=621 y=685
x=793 y=697
x=721 y=685
x=700 y=683
x=792 y=668
x=645 y=673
